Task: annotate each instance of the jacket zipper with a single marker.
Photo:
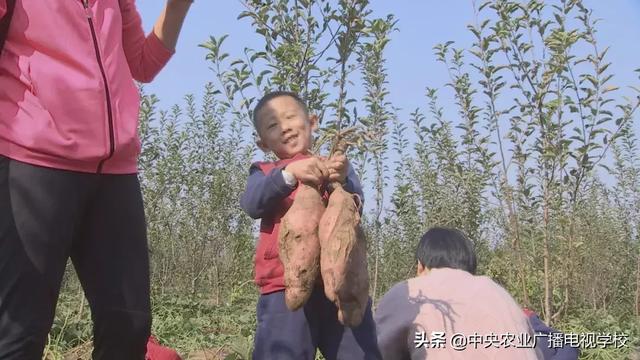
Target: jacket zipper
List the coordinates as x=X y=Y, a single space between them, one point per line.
x=85 y=3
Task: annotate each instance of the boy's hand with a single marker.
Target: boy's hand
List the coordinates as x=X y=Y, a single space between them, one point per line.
x=312 y=170
x=338 y=166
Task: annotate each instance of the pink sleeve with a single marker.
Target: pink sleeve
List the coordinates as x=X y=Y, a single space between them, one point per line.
x=146 y=55
x=3 y=8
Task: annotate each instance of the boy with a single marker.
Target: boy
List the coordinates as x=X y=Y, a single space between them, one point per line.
x=285 y=127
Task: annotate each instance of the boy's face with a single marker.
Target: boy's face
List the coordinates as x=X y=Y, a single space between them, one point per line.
x=284 y=127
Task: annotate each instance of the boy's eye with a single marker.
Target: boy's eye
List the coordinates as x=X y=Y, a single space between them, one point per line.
x=271 y=126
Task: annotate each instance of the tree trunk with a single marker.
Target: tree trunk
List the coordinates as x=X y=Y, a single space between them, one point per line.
x=515 y=227
x=546 y=256
x=637 y=312
x=521 y=271
x=375 y=272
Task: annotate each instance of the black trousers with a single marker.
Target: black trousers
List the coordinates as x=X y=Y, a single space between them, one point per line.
x=47 y=216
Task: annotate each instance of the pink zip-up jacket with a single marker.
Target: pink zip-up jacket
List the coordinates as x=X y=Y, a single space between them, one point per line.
x=68 y=99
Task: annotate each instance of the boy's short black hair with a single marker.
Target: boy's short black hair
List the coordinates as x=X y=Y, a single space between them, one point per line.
x=272 y=95
x=444 y=247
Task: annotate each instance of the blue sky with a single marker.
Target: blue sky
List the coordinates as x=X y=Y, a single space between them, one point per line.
x=412 y=67
x=410 y=60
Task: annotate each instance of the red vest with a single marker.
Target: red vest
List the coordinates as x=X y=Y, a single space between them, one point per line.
x=269 y=271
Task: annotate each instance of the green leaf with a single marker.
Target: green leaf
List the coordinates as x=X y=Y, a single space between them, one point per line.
x=245 y=14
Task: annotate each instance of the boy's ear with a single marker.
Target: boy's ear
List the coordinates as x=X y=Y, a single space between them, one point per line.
x=420 y=268
x=313 y=120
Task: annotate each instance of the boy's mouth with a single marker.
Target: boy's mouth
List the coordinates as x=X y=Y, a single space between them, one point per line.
x=289 y=138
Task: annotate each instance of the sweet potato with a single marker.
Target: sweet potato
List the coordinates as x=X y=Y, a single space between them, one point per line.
x=343 y=258
x=299 y=245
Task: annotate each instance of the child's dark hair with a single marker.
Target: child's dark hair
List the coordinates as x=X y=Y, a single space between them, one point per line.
x=444 y=247
x=272 y=95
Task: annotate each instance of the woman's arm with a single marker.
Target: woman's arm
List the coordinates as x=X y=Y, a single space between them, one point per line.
x=147 y=55
x=168 y=25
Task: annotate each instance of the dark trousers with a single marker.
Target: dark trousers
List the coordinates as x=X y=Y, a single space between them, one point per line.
x=47 y=216
x=295 y=335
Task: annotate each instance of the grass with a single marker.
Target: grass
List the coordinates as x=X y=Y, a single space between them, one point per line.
x=201 y=330
x=194 y=327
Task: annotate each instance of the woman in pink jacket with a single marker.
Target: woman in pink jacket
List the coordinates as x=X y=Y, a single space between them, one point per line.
x=68 y=153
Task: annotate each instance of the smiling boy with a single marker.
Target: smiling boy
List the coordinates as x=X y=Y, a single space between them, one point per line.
x=285 y=127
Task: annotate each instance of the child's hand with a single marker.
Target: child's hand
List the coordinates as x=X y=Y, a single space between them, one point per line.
x=312 y=170
x=338 y=166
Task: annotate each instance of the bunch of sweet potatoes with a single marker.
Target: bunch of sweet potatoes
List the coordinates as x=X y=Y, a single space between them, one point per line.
x=329 y=239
